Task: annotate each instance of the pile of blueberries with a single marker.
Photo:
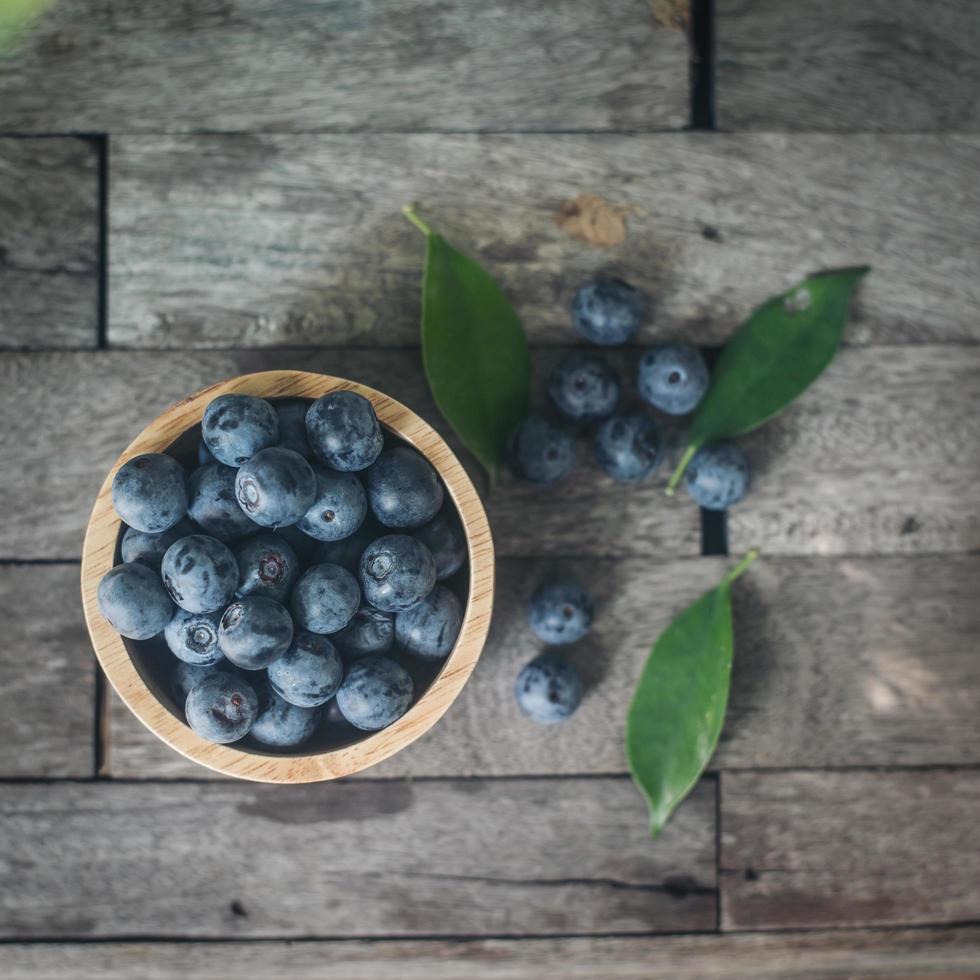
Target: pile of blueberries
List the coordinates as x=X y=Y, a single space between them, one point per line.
x=298 y=575
x=584 y=389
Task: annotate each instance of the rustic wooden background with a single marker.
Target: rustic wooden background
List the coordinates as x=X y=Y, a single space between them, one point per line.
x=193 y=190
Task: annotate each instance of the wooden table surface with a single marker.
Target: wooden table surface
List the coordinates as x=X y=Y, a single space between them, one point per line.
x=190 y=191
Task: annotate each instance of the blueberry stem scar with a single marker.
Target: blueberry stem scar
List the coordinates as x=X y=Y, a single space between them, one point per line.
x=409 y=211
x=740 y=567
x=675 y=477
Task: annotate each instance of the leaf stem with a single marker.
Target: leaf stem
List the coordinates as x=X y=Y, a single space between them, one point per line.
x=740 y=567
x=409 y=211
x=679 y=471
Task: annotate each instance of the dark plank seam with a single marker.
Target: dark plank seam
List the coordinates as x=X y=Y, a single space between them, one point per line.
x=702 y=38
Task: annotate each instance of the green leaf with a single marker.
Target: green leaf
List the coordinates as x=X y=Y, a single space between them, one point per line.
x=772 y=358
x=679 y=704
x=474 y=350
x=15 y=15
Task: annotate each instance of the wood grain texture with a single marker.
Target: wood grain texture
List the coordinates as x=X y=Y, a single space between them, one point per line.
x=352 y=859
x=47 y=695
x=891 y=65
x=299 y=240
x=888 y=678
x=246 y=65
x=849 y=848
x=882 y=455
x=90 y=406
x=49 y=242
x=909 y=954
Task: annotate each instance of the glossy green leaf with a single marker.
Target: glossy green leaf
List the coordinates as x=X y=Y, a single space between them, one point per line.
x=679 y=704
x=474 y=350
x=772 y=359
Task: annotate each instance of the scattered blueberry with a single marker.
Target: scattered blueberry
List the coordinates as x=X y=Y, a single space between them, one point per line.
x=403 y=488
x=673 y=378
x=375 y=693
x=608 y=311
x=627 y=447
x=213 y=504
x=291 y=413
x=560 y=611
x=540 y=451
x=344 y=431
x=149 y=492
x=193 y=637
x=370 y=631
x=339 y=506
x=275 y=487
x=583 y=387
x=396 y=572
x=187 y=676
x=200 y=573
x=310 y=671
x=222 y=708
x=718 y=476
x=444 y=537
x=325 y=599
x=254 y=632
x=236 y=427
x=149 y=549
x=548 y=689
x=280 y=724
x=429 y=628
x=204 y=454
x=134 y=601
x=267 y=566
x=347 y=552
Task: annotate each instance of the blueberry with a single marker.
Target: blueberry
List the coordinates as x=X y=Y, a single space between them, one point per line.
x=222 y=708
x=339 y=507
x=370 y=631
x=280 y=724
x=149 y=549
x=187 y=676
x=275 y=487
x=266 y=566
x=132 y=598
x=347 y=552
x=608 y=311
x=213 y=504
x=149 y=492
x=291 y=413
x=193 y=637
x=548 y=689
x=344 y=431
x=560 y=611
x=403 y=488
x=236 y=427
x=254 y=632
x=627 y=447
x=396 y=572
x=583 y=387
x=429 y=628
x=444 y=537
x=673 y=378
x=375 y=693
x=540 y=451
x=310 y=671
x=204 y=454
x=325 y=599
x=718 y=476
x=200 y=573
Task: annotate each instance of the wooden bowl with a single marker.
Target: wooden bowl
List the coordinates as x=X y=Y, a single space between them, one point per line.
x=144 y=694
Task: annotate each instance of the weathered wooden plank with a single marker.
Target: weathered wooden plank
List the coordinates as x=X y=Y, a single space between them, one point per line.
x=952 y=954
x=889 y=678
x=890 y=65
x=882 y=455
x=248 y=65
x=352 y=859
x=49 y=251
x=47 y=697
x=300 y=240
x=849 y=848
x=90 y=406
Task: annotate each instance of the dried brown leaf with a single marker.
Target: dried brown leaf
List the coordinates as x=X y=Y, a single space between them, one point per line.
x=593 y=220
x=672 y=14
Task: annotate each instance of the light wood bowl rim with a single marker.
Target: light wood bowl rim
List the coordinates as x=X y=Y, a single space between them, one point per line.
x=98 y=556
